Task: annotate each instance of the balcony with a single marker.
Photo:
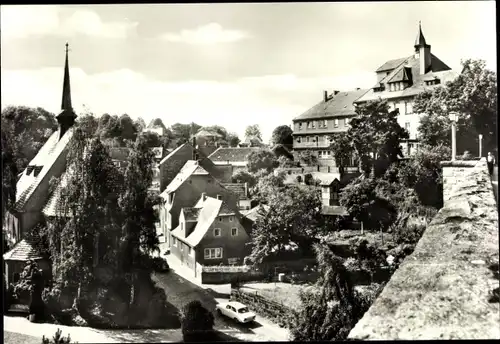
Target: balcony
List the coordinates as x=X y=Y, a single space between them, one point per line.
x=311 y=145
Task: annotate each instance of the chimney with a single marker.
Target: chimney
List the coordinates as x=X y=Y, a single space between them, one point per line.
x=336 y=92
x=325 y=96
x=203 y=196
x=219 y=197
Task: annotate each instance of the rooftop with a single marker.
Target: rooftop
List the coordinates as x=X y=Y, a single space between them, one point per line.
x=238 y=189
x=341 y=104
x=190 y=168
x=232 y=154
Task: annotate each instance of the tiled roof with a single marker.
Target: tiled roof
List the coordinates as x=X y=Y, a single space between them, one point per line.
x=191 y=214
x=172 y=153
x=403 y=74
x=207 y=133
x=438 y=69
x=238 y=189
x=341 y=104
x=391 y=64
x=253 y=214
x=45 y=158
x=30 y=247
x=232 y=154
x=326 y=178
x=189 y=168
x=225 y=209
x=334 y=210
x=207 y=215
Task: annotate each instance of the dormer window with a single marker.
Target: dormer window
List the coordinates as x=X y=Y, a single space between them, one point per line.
x=29 y=169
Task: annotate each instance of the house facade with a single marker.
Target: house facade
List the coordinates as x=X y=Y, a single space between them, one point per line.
x=313 y=129
x=241 y=190
x=210 y=233
x=185 y=189
x=400 y=80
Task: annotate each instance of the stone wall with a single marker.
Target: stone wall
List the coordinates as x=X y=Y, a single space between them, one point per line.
x=446 y=288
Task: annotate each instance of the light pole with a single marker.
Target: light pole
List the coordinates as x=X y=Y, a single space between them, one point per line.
x=453 y=119
x=480 y=145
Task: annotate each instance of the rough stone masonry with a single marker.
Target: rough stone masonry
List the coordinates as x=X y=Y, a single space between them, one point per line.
x=446 y=289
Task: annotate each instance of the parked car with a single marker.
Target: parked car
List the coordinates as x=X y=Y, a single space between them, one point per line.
x=236 y=311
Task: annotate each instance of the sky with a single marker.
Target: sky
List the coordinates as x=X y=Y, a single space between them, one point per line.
x=227 y=64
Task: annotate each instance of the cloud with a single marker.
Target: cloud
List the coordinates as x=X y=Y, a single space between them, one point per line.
x=212 y=33
x=25 y=21
x=268 y=100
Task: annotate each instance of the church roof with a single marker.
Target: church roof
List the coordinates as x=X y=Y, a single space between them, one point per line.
x=420 y=40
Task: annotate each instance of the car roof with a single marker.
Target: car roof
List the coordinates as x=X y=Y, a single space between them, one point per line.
x=236 y=304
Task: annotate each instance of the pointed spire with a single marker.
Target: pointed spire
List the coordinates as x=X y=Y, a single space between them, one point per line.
x=67 y=116
x=420 y=40
x=66 y=95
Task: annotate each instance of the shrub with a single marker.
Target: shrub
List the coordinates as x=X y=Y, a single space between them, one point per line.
x=197 y=322
x=57 y=339
x=299 y=179
x=308 y=179
x=409 y=234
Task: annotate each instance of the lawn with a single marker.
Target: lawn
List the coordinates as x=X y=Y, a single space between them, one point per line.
x=17 y=338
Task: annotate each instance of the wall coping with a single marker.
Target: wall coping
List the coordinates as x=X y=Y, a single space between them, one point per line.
x=461 y=163
x=443 y=289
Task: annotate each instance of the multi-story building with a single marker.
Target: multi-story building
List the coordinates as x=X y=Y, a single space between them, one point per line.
x=399 y=81
x=313 y=129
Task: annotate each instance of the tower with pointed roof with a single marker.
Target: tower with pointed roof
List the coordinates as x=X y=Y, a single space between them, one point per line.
x=422 y=51
x=67 y=116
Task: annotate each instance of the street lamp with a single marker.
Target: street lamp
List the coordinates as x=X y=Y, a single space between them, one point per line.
x=480 y=145
x=453 y=119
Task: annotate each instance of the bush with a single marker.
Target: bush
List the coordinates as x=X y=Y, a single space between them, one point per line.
x=299 y=179
x=409 y=234
x=308 y=179
x=57 y=339
x=197 y=322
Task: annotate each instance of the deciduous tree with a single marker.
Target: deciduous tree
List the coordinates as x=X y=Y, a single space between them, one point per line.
x=342 y=150
x=9 y=174
x=263 y=159
x=253 y=131
x=282 y=134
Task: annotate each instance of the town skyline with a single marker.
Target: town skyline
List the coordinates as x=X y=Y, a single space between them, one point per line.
x=201 y=63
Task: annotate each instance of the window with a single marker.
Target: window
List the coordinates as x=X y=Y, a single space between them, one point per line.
x=220 y=219
x=300 y=125
x=213 y=253
x=234 y=231
x=231 y=218
x=407 y=126
x=182 y=226
x=174 y=241
x=216 y=232
x=308 y=125
x=325 y=123
x=190 y=251
x=307 y=139
x=313 y=124
x=409 y=108
x=346 y=121
x=336 y=123
x=298 y=139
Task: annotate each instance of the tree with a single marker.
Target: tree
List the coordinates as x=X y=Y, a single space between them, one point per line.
x=253 y=131
x=183 y=132
x=285 y=162
x=308 y=157
x=261 y=159
x=9 y=174
x=233 y=140
x=362 y=202
x=342 y=150
x=152 y=139
x=139 y=124
x=137 y=204
x=267 y=184
x=128 y=130
x=242 y=176
x=197 y=322
x=57 y=339
x=376 y=136
x=331 y=312
x=282 y=134
x=28 y=129
x=473 y=95
x=294 y=217
x=88 y=221
x=88 y=123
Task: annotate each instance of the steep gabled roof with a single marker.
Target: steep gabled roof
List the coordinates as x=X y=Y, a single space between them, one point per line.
x=438 y=68
x=38 y=168
x=190 y=167
x=391 y=64
x=238 y=189
x=173 y=153
x=232 y=154
x=341 y=104
x=254 y=213
x=30 y=247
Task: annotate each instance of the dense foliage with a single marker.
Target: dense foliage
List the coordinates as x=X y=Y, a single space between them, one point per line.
x=282 y=135
x=332 y=311
x=197 y=322
x=308 y=158
x=253 y=131
x=263 y=159
x=57 y=339
x=293 y=218
x=342 y=150
x=27 y=129
x=242 y=176
x=473 y=95
x=9 y=174
x=376 y=136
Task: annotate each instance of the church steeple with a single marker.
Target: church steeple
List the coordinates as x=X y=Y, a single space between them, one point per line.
x=420 y=40
x=423 y=51
x=67 y=116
